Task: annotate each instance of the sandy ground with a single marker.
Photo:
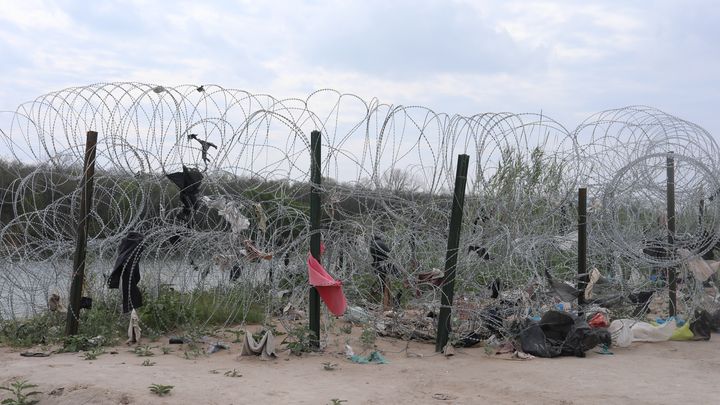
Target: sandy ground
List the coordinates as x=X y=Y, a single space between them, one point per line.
x=657 y=373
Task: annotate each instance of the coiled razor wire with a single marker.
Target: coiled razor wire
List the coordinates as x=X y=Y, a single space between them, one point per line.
x=388 y=171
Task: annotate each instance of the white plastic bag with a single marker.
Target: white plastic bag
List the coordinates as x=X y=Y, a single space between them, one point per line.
x=621 y=331
x=645 y=332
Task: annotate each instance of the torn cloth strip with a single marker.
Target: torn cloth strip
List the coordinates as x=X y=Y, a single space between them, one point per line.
x=126 y=272
x=330 y=290
x=254 y=254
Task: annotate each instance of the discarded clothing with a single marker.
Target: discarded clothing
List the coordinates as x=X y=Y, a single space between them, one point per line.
x=563 y=291
x=188 y=181
x=561 y=334
x=434 y=278
x=379 y=250
x=265 y=348
x=492 y=321
x=34 y=354
x=374 y=357
x=599 y=320
x=701 y=326
x=126 y=272
x=85 y=303
x=641 y=299
x=715 y=321
x=204 y=146
x=134 y=331
x=330 y=290
x=594 y=278
x=216 y=347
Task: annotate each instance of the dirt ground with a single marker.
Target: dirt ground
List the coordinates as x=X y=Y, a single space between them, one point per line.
x=645 y=373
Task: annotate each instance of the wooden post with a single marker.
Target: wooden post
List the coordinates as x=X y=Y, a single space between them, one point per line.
x=315 y=214
x=448 y=284
x=86 y=197
x=582 y=245
x=672 y=276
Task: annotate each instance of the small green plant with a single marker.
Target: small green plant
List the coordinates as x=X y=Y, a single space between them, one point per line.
x=368 y=337
x=272 y=328
x=161 y=390
x=166 y=350
x=258 y=335
x=232 y=373
x=18 y=389
x=346 y=329
x=330 y=366
x=148 y=363
x=193 y=350
x=300 y=340
x=336 y=401
x=237 y=334
x=75 y=343
x=143 y=351
x=93 y=353
x=39 y=329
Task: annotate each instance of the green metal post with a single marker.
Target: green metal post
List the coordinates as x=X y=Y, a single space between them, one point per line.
x=315 y=214
x=582 y=244
x=86 y=197
x=448 y=284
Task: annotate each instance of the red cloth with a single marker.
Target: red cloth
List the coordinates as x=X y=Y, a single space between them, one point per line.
x=330 y=290
x=599 y=321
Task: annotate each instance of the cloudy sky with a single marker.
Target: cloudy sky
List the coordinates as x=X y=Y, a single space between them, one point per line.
x=566 y=58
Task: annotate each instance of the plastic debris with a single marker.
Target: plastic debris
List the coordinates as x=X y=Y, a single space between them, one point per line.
x=682 y=333
x=679 y=322
x=604 y=349
x=645 y=332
